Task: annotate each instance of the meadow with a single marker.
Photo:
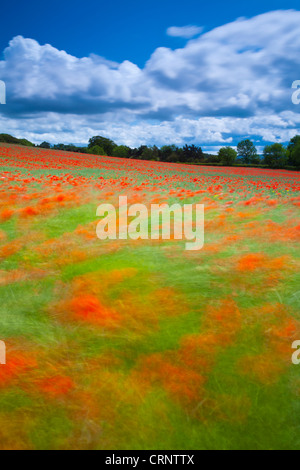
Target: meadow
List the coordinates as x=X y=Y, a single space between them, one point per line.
x=140 y=344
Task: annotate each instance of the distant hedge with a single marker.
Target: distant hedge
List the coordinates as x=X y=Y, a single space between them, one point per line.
x=243 y=165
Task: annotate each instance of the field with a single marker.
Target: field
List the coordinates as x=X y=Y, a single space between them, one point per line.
x=124 y=344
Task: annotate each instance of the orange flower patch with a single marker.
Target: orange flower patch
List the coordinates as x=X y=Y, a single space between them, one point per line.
x=281 y=337
x=279 y=263
x=137 y=312
x=10 y=249
x=272 y=202
x=56 y=386
x=119 y=275
x=289 y=329
x=224 y=319
x=17 y=365
x=198 y=350
x=168 y=301
x=76 y=256
x=6 y=214
x=182 y=383
x=28 y=212
x=212 y=248
x=89 y=309
x=61 y=252
x=233 y=238
x=251 y=262
x=2 y=236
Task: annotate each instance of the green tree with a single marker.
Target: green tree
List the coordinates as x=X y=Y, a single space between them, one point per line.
x=293 y=151
x=96 y=150
x=59 y=147
x=209 y=158
x=275 y=156
x=137 y=152
x=45 y=145
x=166 y=151
x=247 y=151
x=191 y=153
x=227 y=155
x=174 y=157
x=147 y=153
x=121 y=151
x=106 y=144
x=155 y=153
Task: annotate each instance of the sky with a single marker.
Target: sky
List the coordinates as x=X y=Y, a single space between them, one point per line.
x=150 y=72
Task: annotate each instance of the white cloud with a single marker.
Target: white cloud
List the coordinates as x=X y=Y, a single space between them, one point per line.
x=232 y=81
x=208 y=131
x=185 y=32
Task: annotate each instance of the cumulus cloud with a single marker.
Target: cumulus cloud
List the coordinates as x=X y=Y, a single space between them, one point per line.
x=185 y=32
x=232 y=81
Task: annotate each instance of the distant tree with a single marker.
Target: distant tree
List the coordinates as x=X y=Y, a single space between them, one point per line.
x=191 y=153
x=66 y=148
x=275 y=156
x=227 y=155
x=212 y=158
x=147 y=153
x=156 y=153
x=134 y=153
x=166 y=151
x=59 y=147
x=247 y=151
x=175 y=157
x=82 y=150
x=45 y=145
x=71 y=148
x=293 y=151
x=106 y=144
x=137 y=152
x=121 y=151
x=293 y=142
x=96 y=150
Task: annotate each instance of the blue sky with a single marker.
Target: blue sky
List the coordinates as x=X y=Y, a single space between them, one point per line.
x=120 y=29
x=150 y=71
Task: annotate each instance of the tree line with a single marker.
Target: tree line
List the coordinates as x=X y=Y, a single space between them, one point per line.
x=274 y=155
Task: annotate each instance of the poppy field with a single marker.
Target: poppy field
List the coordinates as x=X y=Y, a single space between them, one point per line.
x=140 y=344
